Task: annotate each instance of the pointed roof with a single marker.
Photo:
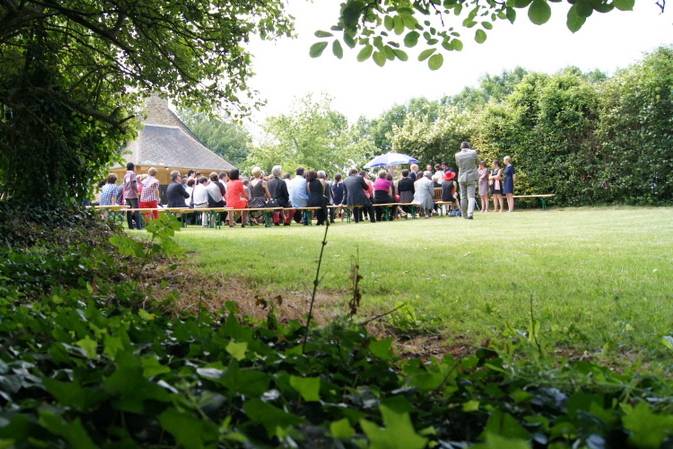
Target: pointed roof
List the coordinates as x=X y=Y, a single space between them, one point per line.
x=165 y=141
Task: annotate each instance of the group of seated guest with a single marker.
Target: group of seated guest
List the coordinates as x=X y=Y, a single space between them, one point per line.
x=289 y=197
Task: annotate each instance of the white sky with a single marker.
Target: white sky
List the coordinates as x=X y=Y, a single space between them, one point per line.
x=284 y=70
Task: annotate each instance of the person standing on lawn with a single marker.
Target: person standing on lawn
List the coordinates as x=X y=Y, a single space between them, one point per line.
x=466 y=159
x=508 y=184
x=131 y=195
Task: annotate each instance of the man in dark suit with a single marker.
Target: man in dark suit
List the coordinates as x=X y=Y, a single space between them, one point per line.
x=354 y=194
x=175 y=192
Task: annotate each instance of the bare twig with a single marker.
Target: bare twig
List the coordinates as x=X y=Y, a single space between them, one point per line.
x=381 y=315
x=316 y=281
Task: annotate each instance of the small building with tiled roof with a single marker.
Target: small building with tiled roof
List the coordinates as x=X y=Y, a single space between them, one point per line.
x=166 y=143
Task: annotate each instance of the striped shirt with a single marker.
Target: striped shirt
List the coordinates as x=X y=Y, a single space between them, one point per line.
x=110 y=194
x=150 y=190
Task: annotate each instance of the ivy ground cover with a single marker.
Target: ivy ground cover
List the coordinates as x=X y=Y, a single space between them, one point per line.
x=598 y=279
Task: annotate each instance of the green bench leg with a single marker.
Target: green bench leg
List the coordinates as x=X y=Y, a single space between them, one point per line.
x=347 y=213
x=268 y=219
x=308 y=218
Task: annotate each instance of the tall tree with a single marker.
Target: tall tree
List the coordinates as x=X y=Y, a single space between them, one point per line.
x=72 y=71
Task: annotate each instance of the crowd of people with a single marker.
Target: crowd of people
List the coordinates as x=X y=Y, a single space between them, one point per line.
x=368 y=196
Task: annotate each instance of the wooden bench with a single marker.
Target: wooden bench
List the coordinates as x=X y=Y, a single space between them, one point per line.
x=540 y=197
x=214 y=213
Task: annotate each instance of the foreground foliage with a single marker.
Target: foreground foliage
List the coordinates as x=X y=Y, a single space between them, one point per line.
x=90 y=361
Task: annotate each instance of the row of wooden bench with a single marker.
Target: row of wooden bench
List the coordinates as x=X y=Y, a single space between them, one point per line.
x=214 y=214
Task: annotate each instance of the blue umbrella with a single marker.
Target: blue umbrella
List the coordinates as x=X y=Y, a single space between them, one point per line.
x=388 y=159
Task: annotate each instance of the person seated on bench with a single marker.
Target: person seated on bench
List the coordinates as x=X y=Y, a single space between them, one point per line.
x=424 y=191
x=383 y=193
x=449 y=190
x=316 y=196
x=237 y=197
x=280 y=197
x=200 y=197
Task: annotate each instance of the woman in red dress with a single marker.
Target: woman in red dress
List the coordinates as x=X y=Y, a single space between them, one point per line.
x=237 y=197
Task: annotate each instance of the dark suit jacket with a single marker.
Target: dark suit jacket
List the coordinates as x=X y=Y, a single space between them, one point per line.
x=354 y=195
x=176 y=194
x=278 y=190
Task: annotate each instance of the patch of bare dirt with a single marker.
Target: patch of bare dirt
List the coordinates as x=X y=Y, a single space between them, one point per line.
x=185 y=289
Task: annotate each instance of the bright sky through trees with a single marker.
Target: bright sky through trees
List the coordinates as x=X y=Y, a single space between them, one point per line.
x=285 y=71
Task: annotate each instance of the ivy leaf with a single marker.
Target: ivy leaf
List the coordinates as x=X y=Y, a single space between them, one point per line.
x=88 y=346
x=73 y=432
x=237 y=350
x=425 y=54
x=624 y=5
x=249 y=382
x=341 y=430
x=365 y=53
x=337 y=50
x=398 y=432
x=112 y=345
x=436 y=61
x=269 y=416
x=307 y=387
x=190 y=432
x=145 y=315
x=539 y=12
x=493 y=441
x=504 y=425
x=480 y=36
x=382 y=348
x=574 y=20
x=647 y=429
x=321 y=33
x=317 y=49
x=379 y=58
x=152 y=367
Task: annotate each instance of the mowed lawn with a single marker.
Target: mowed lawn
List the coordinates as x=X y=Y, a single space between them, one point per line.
x=600 y=279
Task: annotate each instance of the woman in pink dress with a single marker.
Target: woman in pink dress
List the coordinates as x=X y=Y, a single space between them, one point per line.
x=483 y=185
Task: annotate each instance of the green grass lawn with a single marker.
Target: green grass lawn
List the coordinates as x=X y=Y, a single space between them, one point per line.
x=601 y=280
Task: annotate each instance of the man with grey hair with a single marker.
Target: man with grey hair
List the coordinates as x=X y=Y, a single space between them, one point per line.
x=424 y=192
x=468 y=176
x=279 y=197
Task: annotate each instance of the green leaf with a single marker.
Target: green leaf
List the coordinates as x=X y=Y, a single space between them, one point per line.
x=249 y=382
x=457 y=44
x=112 y=345
x=471 y=406
x=341 y=430
x=400 y=54
x=398 y=432
x=647 y=429
x=487 y=25
x=365 y=53
x=188 y=431
x=317 y=49
x=389 y=23
x=308 y=387
x=480 y=36
x=145 y=315
x=411 y=39
x=425 y=54
x=667 y=341
x=510 y=13
x=237 y=350
x=409 y=21
x=436 y=61
x=504 y=425
x=379 y=58
x=539 y=12
x=349 y=40
x=625 y=5
x=574 y=21
x=399 y=25
x=494 y=441
x=269 y=416
x=520 y=3
x=152 y=367
x=337 y=50
x=88 y=346
x=382 y=348
x=321 y=33
x=67 y=393
x=73 y=432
